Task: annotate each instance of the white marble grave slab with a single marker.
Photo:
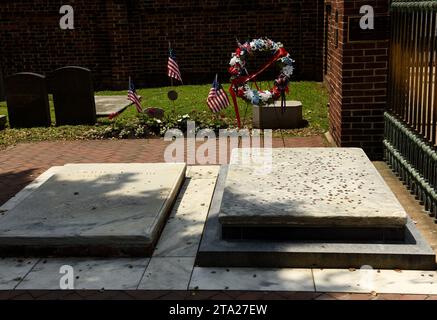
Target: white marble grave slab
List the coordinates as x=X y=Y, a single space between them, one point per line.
x=98 y=204
x=29 y=189
x=107 y=105
x=320 y=187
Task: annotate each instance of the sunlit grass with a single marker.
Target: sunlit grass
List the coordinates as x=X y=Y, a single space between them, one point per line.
x=313 y=96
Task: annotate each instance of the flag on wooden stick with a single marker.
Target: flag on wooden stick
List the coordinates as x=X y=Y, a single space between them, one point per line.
x=133 y=97
x=173 y=67
x=217 y=98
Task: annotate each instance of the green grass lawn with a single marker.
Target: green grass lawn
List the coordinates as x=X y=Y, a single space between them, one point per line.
x=191 y=100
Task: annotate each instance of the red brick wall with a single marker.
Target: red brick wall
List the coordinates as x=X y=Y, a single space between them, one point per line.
x=334 y=74
x=118 y=38
x=357 y=79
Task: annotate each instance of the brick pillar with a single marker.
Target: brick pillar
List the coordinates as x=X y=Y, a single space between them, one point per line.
x=357 y=69
x=122 y=39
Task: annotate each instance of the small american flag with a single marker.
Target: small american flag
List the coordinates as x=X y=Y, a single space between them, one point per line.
x=173 y=67
x=217 y=98
x=133 y=97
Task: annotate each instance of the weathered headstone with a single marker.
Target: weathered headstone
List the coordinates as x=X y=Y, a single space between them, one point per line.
x=2 y=98
x=27 y=100
x=2 y=87
x=94 y=209
x=73 y=96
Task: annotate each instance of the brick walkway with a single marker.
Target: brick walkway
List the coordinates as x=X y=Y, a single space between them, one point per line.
x=21 y=164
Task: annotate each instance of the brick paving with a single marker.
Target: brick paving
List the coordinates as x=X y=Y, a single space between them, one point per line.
x=424 y=222
x=21 y=164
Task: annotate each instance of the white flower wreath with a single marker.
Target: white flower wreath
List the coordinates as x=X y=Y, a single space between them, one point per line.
x=240 y=77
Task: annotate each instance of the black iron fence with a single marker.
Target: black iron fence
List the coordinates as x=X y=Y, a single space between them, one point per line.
x=411 y=119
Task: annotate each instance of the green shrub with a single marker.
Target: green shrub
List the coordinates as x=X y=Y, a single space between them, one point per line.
x=144 y=126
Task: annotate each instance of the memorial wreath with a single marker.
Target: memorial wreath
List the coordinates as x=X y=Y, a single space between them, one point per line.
x=240 y=77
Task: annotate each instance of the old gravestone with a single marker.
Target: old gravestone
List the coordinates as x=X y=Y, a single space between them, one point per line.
x=27 y=100
x=2 y=87
x=73 y=96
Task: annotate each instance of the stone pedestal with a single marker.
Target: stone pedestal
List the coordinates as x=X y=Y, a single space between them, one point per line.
x=305 y=208
x=308 y=187
x=273 y=117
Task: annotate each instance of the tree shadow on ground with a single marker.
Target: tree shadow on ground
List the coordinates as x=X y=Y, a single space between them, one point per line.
x=11 y=182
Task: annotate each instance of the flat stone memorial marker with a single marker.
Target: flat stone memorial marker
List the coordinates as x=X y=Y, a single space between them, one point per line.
x=73 y=96
x=309 y=187
x=108 y=105
x=94 y=209
x=27 y=100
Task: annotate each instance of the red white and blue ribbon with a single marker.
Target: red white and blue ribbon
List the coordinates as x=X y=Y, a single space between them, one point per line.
x=240 y=78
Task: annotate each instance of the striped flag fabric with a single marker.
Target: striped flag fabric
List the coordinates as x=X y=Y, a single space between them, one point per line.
x=173 y=67
x=133 y=97
x=217 y=98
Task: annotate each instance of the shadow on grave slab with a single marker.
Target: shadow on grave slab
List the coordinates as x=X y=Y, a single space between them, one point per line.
x=13 y=181
x=85 y=210
x=412 y=252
